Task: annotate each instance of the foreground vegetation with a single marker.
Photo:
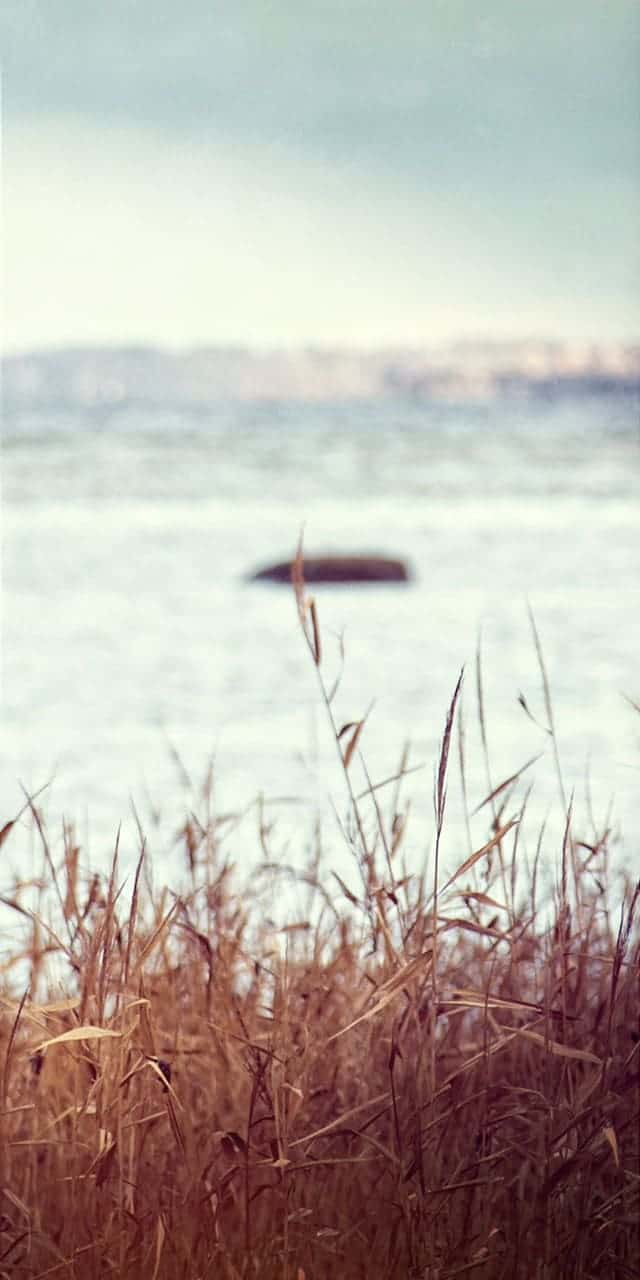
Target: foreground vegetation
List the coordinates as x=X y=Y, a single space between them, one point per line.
x=418 y=1078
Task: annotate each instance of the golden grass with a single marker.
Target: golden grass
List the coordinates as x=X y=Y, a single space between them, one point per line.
x=411 y=1080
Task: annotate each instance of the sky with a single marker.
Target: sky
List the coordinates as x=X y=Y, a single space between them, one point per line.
x=270 y=173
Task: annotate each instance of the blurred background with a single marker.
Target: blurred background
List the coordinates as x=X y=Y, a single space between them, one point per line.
x=361 y=173
x=373 y=269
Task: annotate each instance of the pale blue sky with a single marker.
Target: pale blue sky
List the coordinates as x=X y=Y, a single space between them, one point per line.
x=357 y=172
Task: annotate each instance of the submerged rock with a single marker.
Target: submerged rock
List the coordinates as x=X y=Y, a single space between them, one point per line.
x=360 y=568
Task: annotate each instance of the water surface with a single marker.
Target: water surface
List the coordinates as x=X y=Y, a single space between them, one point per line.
x=129 y=627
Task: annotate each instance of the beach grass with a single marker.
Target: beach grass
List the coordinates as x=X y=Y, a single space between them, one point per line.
x=426 y=1075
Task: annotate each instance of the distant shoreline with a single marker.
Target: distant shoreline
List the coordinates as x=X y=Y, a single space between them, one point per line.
x=456 y=372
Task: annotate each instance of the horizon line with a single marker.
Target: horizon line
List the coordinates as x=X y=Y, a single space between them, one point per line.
x=321 y=346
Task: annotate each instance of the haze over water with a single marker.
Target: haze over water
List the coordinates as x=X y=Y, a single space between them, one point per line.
x=374 y=269
x=129 y=626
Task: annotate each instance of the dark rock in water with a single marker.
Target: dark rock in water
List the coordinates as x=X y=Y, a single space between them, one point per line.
x=338 y=569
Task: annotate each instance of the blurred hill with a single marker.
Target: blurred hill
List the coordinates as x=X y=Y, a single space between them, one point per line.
x=460 y=371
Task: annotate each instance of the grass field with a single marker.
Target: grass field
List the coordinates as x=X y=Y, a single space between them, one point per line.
x=427 y=1077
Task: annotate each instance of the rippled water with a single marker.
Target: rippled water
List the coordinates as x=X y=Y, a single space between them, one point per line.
x=128 y=624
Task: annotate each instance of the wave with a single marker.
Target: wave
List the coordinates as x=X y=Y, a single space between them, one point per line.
x=149 y=376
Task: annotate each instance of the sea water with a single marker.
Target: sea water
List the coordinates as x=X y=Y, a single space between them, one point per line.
x=132 y=635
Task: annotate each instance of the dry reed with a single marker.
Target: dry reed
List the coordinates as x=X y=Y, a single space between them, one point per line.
x=413 y=1080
